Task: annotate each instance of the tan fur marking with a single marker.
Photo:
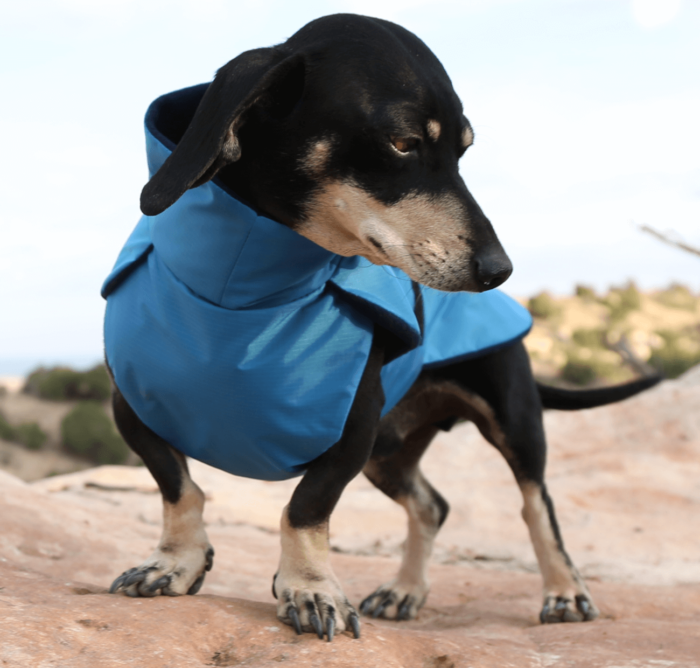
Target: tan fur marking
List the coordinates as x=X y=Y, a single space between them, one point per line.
x=182 y=521
x=305 y=572
x=182 y=550
x=419 y=542
x=467 y=137
x=436 y=401
x=434 y=129
x=427 y=238
x=316 y=159
x=304 y=552
x=560 y=578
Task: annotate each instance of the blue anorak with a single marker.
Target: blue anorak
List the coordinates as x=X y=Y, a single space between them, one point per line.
x=242 y=343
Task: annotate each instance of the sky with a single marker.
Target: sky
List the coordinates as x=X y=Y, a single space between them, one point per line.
x=585 y=114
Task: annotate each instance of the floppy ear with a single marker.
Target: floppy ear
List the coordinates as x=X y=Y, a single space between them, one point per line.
x=210 y=142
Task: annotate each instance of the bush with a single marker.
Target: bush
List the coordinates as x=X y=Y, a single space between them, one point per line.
x=88 y=432
x=30 y=435
x=677 y=355
x=7 y=431
x=543 y=305
x=622 y=301
x=61 y=383
x=584 y=366
x=677 y=296
x=585 y=292
x=589 y=338
x=579 y=372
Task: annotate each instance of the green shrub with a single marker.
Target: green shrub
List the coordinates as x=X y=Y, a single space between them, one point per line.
x=622 y=301
x=674 y=358
x=30 y=435
x=7 y=431
x=88 y=432
x=677 y=296
x=95 y=384
x=583 y=367
x=60 y=383
x=579 y=372
x=543 y=305
x=585 y=292
x=589 y=338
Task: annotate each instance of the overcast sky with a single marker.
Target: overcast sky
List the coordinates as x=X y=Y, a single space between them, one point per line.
x=585 y=111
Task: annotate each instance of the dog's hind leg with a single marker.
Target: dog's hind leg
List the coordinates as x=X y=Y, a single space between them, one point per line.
x=183 y=556
x=398 y=475
x=505 y=405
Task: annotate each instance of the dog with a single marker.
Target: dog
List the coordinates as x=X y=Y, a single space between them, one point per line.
x=310 y=293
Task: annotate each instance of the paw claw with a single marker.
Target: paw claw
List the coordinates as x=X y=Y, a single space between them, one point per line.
x=135 y=578
x=366 y=605
x=588 y=610
x=314 y=605
x=294 y=617
x=404 y=612
x=119 y=582
x=395 y=600
x=160 y=583
x=563 y=609
x=379 y=610
x=316 y=623
x=354 y=624
x=170 y=572
x=209 y=559
x=196 y=585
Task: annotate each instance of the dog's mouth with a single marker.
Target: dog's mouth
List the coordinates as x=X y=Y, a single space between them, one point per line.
x=428 y=238
x=450 y=268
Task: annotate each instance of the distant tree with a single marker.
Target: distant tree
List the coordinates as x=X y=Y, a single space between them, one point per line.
x=543 y=305
x=585 y=292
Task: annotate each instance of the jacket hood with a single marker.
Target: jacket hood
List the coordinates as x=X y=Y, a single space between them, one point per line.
x=229 y=254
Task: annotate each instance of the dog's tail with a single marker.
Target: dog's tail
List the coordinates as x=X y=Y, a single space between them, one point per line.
x=573 y=400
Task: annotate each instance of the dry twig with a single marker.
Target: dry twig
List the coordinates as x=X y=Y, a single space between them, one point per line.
x=667 y=240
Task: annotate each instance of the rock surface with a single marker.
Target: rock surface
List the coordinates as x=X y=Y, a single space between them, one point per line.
x=625 y=479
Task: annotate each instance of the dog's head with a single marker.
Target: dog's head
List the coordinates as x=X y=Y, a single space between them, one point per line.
x=350 y=133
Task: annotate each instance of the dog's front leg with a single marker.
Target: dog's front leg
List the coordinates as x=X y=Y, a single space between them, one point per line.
x=309 y=595
x=184 y=555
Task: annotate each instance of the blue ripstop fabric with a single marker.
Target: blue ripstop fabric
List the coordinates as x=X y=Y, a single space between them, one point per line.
x=242 y=343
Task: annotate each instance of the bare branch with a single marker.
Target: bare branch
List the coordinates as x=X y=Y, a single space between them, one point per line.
x=667 y=240
x=623 y=348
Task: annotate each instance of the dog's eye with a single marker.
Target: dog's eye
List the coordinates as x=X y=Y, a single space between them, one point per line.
x=404 y=144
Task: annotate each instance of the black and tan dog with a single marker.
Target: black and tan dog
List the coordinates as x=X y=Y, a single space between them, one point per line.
x=350 y=134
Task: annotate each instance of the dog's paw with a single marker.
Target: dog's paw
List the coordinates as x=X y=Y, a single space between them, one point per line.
x=171 y=572
x=558 y=609
x=395 y=600
x=317 y=605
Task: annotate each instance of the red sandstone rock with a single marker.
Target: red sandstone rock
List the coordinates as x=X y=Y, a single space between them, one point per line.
x=625 y=478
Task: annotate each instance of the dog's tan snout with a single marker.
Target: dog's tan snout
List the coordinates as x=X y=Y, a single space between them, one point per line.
x=492 y=267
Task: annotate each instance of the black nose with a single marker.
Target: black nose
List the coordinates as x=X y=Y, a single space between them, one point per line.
x=492 y=269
